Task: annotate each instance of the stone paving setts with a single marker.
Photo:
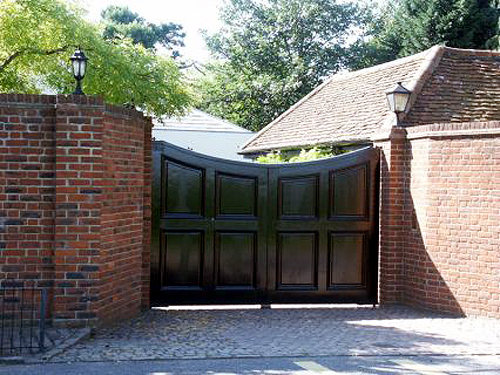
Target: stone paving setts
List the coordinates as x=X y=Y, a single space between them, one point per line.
x=397 y=330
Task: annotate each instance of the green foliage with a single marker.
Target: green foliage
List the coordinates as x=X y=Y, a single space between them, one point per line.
x=411 y=26
x=315 y=153
x=274 y=157
x=494 y=41
x=273 y=52
x=37 y=37
x=121 y=22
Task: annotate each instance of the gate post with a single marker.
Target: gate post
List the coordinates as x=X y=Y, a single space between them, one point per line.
x=393 y=219
x=146 y=221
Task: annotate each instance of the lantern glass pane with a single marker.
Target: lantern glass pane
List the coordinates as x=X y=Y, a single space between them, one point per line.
x=83 y=64
x=76 y=68
x=390 y=100
x=400 y=101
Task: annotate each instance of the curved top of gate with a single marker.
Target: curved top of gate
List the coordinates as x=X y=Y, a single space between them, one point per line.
x=347 y=159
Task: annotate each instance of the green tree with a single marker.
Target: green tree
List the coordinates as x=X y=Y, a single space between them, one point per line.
x=37 y=37
x=411 y=26
x=270 y=53
x=122 y=22
x=494 y=41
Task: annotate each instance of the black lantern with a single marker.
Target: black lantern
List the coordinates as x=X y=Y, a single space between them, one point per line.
x=79 y=65
x=398 y=99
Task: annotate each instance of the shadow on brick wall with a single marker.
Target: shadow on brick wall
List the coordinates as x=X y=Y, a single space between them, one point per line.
x=424 y=285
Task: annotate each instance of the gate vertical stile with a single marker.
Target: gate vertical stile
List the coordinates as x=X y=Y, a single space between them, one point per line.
x=271 y=238
x=264 y=232
x=209 y=238
x=156 y=185
x=323 y=232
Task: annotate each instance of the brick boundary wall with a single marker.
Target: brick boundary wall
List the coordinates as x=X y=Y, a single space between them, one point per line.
x=74 y=204
x=75 y=210
x=440 y=215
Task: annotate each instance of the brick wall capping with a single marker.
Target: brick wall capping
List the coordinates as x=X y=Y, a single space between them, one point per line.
x=85 y=100
x=31 y=101
x=120 y=111
x=450 y=130
x=27 y=98
x=445 y=130
x=34 y=100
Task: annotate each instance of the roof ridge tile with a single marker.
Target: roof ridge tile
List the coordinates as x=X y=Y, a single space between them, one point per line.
x=430 y=63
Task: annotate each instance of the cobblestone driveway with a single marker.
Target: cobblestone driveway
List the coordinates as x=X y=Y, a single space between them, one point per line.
x=160 y=334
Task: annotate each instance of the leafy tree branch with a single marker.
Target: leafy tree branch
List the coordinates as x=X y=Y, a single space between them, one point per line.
x=37 y=39
x=270 y=53
x=30 y=51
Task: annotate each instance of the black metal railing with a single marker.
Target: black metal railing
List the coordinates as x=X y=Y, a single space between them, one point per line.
x=22 y=320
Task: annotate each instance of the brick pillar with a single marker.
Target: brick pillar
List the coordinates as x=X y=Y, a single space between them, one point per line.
x=393 y=218
x=75 y=206
x=78 y=208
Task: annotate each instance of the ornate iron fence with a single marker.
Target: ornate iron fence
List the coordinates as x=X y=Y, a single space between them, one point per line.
x=22 y=320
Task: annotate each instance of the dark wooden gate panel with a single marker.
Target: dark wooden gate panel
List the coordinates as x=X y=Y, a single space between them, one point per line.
x=326 y=225
x=208 y=228
x=233 y=232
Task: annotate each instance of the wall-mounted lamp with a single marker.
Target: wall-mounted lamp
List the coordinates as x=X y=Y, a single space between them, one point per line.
x=398 y=99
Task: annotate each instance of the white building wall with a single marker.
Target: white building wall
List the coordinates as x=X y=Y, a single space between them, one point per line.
x=220 y=144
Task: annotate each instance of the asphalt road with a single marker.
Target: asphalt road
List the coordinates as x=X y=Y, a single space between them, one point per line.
x=345 y=365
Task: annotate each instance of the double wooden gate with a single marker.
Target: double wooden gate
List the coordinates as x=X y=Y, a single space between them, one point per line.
x=235 y=232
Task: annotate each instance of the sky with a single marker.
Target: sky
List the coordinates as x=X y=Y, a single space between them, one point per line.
x=193 y=15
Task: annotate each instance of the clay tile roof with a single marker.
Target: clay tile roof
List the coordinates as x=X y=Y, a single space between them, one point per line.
x=448 y=85
x=464 y=87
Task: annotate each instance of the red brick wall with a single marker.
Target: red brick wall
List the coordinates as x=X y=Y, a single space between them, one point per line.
x=449 y=222
x=74 y=194
x=392 y=167
x=126 y=134
x=79 y=175
x=27 y=189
